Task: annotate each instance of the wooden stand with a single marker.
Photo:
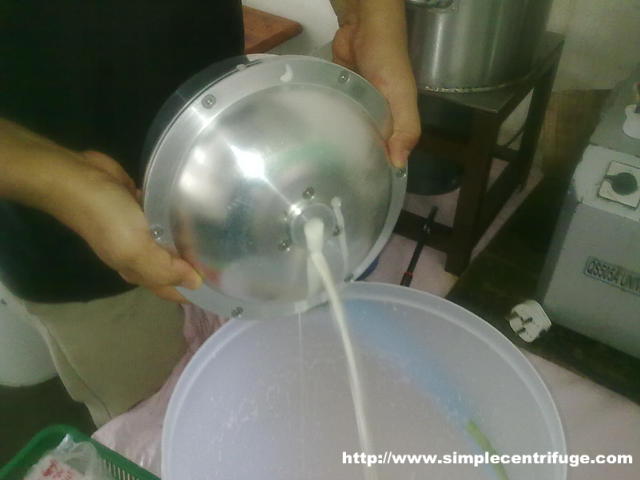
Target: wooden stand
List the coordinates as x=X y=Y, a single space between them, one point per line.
x=478 y=206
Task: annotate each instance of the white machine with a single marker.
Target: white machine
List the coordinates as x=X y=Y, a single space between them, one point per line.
x=591 y=281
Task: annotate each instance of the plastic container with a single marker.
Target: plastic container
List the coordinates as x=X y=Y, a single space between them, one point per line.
x=119 y=467
x=24 y=357
x=270 y=399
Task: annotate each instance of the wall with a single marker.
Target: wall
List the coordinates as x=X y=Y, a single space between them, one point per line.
x=603 y=39
x=601 y=47
x=316 y=17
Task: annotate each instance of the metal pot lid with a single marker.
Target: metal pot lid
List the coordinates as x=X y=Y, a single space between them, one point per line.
x=246 y=152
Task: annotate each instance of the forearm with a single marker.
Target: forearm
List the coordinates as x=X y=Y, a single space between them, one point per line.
x=343 y=8
x=35 y=171
x=388 y=14
x=381 y=23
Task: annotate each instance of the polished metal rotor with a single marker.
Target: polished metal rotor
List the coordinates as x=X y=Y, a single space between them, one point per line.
x=250 y=149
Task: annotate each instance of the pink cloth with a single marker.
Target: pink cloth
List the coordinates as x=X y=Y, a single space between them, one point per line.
x=137 y=433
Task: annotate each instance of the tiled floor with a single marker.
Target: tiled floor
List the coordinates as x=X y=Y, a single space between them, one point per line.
x=596 y=420
x=429 y=274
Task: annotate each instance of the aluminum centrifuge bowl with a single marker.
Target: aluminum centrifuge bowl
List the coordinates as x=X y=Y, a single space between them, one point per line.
x=247 y=151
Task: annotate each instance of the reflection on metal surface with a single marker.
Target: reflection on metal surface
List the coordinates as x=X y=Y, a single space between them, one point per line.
x=472 y=45
x=251 y=164
x=232 y=185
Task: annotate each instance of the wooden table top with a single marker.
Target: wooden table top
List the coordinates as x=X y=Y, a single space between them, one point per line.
x=264 y=31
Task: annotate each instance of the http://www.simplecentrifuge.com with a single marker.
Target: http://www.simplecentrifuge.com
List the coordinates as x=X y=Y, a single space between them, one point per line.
x=455 y=458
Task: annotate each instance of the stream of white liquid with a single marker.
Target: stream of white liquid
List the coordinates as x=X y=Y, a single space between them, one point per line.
x=314 y=233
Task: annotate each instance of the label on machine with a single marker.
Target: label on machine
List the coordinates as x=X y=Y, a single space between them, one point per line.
x=613 y=275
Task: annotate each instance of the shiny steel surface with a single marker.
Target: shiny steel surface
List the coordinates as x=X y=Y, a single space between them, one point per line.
x=247 y=151
x=466 y=44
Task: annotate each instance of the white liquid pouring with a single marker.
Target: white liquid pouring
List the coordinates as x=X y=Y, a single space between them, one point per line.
x=314 y=234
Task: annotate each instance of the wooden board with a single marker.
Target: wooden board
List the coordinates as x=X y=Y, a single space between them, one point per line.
x=264 y=31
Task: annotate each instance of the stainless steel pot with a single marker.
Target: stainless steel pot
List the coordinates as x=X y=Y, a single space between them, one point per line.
x=474 y=44
x=246 y=152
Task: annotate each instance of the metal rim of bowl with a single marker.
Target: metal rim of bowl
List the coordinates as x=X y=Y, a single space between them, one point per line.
x=198 y=101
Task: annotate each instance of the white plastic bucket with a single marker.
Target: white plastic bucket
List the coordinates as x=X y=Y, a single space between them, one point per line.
x=270 y=399
x=24 y=357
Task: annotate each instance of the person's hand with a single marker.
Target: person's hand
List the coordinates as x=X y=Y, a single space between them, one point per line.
x=98 y=200
x=106 y=213
x=90 y=193
x=372 y=41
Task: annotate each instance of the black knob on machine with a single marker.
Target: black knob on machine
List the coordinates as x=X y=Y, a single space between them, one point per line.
x=623 y=183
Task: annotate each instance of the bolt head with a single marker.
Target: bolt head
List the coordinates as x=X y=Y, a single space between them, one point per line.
x=344 y=76
x=208 y=101
x=157 y=232
x=284 y=245
x=309 y=193
x=236 y=312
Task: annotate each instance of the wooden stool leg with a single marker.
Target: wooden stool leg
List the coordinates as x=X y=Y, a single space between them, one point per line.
x=477 y=165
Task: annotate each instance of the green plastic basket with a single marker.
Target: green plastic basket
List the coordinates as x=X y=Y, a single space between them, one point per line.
x=49 y=438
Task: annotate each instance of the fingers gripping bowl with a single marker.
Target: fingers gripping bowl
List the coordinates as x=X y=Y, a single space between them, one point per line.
x=249 y=150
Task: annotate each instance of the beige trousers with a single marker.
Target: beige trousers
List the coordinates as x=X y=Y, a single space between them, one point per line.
x=111 y=353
